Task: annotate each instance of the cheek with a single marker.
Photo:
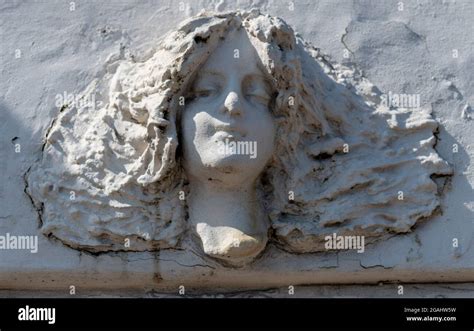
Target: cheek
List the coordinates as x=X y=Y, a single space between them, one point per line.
x=194 y=125
x=262 y=123
x=263 y=131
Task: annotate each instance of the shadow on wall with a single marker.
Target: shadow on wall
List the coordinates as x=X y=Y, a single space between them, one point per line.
x=457 y=191
x=20 y=148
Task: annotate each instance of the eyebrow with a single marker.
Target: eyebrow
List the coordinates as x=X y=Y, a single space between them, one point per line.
x=269 y=86
x=209 y=72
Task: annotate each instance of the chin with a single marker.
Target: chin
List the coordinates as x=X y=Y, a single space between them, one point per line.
x=232 y=167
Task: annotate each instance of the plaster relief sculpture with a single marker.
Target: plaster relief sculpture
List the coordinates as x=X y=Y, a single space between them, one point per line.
x=230 y=101
x=321 y=152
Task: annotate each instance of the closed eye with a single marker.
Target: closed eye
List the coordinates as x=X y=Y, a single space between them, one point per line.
x=259 y=97
x=257 y=89
x=202 y=93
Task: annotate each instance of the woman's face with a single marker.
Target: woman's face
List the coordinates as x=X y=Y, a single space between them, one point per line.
x=227 y=126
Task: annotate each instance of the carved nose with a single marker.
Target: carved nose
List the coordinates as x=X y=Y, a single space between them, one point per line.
x=232 y=104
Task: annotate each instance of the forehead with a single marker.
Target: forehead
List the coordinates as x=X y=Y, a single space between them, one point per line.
x=235 y=54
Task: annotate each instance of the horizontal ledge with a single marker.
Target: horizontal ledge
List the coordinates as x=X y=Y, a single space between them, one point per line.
x=31 y=279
